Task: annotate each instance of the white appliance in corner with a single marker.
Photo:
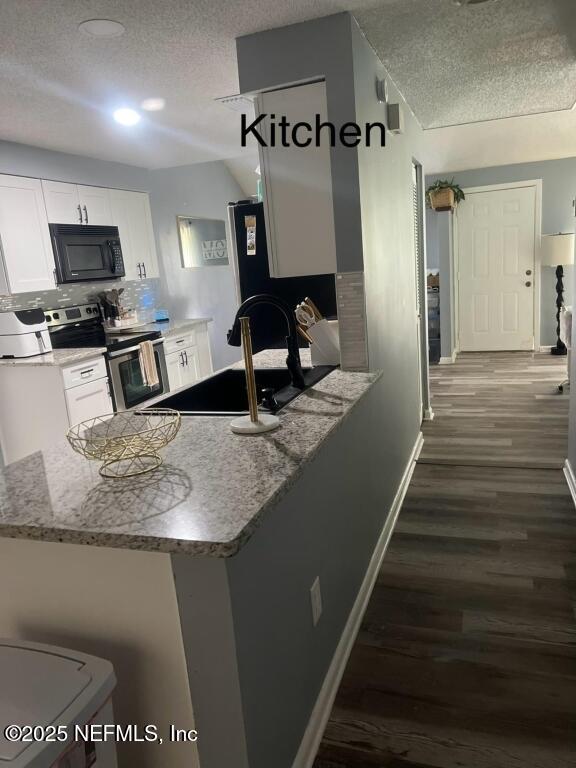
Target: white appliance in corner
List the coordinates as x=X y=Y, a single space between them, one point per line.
x=24 y=333
x=60 y=692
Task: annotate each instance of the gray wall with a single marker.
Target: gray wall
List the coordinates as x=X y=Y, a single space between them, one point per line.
x=23 y=160
x=558 y=191
x=432 y=249
x=201 y=190
x=388 y=252
x=326 y=526
x=282 y=661
x=308 y=51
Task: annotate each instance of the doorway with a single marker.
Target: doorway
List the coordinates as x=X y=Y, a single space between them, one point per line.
x=496 y=266
x=421 y=302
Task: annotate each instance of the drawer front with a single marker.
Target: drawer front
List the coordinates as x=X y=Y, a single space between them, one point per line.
x=88 y=401
x=87 y=370
x=181 y=341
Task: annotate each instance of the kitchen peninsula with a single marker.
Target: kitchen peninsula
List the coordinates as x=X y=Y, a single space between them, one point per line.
x=195 y=580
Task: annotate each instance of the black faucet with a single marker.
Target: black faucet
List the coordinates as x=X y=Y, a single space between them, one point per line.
x=293 y=360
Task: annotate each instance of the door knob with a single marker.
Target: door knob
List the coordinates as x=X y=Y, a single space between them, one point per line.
x=528 y=284
x=528 y=271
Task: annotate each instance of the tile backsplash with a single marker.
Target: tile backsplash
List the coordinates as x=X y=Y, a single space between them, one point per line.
x=138 y=294
x=351 y=302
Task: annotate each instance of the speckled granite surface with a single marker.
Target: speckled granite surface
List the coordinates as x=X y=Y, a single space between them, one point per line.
x=174 y=328
x=208 y=498
x=61 y=357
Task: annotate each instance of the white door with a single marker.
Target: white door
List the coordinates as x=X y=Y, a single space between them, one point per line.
x=62 y=203
x=88 y=401
x=28 y=262
x=95 y=206
x=496 y=270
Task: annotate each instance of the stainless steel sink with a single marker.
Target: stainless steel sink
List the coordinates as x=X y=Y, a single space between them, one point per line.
x=224 y=394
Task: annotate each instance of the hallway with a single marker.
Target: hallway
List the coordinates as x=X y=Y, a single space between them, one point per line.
x=467 y=653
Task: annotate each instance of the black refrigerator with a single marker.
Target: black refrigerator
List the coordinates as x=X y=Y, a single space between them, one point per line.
x=250 y=252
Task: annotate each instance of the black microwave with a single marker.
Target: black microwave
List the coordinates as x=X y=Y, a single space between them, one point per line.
x=84 y=253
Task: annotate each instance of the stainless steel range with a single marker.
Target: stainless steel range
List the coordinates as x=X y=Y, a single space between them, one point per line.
x=82 y=326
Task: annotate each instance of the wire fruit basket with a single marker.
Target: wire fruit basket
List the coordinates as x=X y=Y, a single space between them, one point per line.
x=128 y=442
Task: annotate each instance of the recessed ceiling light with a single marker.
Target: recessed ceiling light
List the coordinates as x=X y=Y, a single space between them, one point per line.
x=155 y=104
x=126 y=116
x=102 y=28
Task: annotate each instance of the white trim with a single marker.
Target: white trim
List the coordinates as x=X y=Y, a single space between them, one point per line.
x=321 y=712
x=428 y=414
x=537 y=184
x=448 y=360
x=570 y=479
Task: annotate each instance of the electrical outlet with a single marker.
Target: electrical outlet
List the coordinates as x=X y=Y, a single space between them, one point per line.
x=316 y=600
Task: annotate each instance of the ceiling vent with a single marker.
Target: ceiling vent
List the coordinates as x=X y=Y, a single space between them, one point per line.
x=238 y=102
x=473 y=2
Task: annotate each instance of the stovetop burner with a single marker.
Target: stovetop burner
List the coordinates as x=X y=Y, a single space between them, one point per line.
x=82 y=326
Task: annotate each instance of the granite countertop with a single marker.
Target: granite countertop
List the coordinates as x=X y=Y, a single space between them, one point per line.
x=60 y=357
x=173 y=328
x=208 y=498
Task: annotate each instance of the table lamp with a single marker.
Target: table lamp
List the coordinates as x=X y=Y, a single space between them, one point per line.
x=557 y=251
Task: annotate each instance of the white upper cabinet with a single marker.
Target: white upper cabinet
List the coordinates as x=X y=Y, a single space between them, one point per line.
x=297 y=185
x=131 y=214
x=77 y=204
x=27 y=260
x=62 y=203
x=96 y=206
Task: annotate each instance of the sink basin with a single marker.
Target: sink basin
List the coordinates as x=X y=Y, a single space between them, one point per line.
x=224 y=394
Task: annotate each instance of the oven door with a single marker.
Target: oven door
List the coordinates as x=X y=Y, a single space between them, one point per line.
x=128 y=387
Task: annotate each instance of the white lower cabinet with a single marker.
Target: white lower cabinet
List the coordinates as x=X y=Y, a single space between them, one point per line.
x=87 y=401
x=174 y=367
x=188 y=357
x=183 y=368
x=40 y=403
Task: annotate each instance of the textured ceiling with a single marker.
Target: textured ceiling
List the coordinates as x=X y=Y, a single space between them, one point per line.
x=59 y=87
x=480 y=62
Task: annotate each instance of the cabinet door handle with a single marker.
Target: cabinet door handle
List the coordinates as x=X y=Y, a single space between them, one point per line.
x=144 y=268
x=182 y=359
x=139 y=270
x=86 y=214
x=80 y=213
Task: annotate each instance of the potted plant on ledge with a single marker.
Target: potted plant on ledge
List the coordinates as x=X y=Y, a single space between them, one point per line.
x=444 y=195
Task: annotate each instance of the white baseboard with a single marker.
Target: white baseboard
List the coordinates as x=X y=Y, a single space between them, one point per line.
x=570 y=479
x=428 y=414
x=323 y=707
x=448 y=360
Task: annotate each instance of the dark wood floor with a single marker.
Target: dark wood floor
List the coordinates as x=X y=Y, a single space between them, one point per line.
x=467 y=654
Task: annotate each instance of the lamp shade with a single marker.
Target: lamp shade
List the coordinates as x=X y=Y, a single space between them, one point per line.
x=557 y=249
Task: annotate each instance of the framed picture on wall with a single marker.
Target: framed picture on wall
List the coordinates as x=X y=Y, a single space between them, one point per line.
x=202 y=242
